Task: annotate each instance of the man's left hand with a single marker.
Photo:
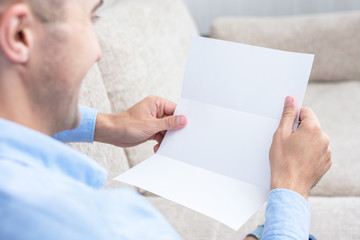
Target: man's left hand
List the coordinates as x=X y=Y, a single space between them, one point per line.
x=147 y=120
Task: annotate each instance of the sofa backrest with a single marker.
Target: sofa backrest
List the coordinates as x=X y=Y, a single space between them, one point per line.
x=145 y=45
x=333 y=38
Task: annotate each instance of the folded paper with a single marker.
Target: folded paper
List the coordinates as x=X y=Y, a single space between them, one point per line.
x=233 y=96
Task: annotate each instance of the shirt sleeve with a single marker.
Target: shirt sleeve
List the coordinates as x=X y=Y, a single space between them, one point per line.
x=287 y=216
x=52 y=205
x=85 y=131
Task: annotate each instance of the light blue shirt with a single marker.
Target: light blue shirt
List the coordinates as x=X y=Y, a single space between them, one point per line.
x=50 y=191
x=287 y=216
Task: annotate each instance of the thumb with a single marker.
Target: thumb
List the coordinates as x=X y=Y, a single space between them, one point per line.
x=171 y=123
x=288 y=116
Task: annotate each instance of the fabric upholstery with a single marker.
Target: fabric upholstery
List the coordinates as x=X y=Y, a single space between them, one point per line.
x=337 y=106
x=145 y=45
x=334 y=38
x=335 y=217
x=331 y=218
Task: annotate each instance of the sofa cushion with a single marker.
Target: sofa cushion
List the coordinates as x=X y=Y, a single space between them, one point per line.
x=335 y=218
x=337 y=107
x=145 y=44
x=334 y=38
x=331 y=218
x=93 y=94
x=192 y=225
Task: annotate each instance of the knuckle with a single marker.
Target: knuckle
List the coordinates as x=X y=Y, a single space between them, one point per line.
x=308 y=111
x=168 y=122
x=330 y=162
x=328 y=165
x=304 y=111
x=278 y=134
x=327 y=139
x=151 y=98
x=314 y=128
x=288 y=111
x=327 y=157
x=317 y=128
x=329 y=153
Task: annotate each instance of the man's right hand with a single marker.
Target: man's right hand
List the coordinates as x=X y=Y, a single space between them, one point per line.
x=299 y=159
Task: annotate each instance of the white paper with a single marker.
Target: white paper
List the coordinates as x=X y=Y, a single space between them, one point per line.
x=233 y=97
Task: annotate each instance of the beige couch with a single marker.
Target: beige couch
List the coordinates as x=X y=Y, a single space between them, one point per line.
x=145 y=44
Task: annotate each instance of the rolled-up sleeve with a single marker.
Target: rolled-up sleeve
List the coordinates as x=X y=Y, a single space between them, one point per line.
x=287 y=216
x=85 y=131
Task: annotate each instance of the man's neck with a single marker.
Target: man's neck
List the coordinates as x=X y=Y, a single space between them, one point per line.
x=16 y=106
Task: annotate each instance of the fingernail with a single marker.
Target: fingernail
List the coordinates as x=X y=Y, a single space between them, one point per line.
x=288 y=101
x=181 y=120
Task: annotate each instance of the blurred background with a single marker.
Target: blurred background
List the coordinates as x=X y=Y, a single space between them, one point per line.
x=205 y=11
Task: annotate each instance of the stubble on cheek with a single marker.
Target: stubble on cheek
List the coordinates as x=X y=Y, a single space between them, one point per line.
x=58 y=90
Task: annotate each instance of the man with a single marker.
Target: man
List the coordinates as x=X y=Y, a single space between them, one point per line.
x=50 y=191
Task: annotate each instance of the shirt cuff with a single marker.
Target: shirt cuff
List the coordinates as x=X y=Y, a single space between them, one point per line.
x=287 y=216
x=86 y=130
x=257 y=233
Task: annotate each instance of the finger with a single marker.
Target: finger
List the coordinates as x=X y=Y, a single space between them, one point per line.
x=288 y=117
x=156 y=148
x=170 y=123
x=329 y=159
x=308 y=118
x=169 y=107
x=307 y=113
x=164 y=107
x=159 y=137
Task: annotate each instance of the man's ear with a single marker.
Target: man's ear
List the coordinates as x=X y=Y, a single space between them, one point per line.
x=15 y=32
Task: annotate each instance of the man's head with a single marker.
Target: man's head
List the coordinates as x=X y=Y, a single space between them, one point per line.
x=46 y=49
x=47 y=11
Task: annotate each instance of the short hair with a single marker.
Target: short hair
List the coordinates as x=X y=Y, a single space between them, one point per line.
x=45 y=10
